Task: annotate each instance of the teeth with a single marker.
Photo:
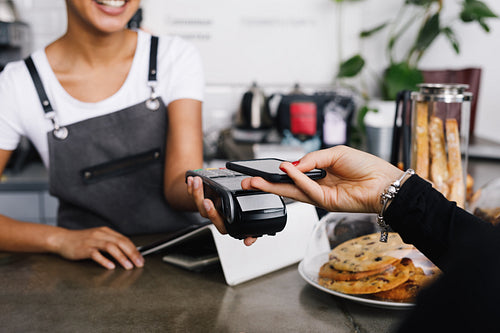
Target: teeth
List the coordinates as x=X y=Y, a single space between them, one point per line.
x=112 y=3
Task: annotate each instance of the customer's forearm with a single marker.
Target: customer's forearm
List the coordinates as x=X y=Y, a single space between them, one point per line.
x=426 y=219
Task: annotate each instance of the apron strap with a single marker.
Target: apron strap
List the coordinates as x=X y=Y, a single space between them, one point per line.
x=152 y=59
x=42 y=95
x=60 y=132
x=152 y=103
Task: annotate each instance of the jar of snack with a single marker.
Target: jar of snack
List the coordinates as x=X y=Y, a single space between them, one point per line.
x=440 y=120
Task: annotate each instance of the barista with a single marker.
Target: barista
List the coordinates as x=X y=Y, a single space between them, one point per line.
x=115 y=115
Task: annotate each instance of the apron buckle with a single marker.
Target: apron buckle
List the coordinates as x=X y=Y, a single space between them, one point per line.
x=152 y=103
x=59 y=132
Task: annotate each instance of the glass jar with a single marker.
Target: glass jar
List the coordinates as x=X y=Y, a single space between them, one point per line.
x=440 y=121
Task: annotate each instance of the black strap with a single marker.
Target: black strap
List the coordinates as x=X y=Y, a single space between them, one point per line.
x=42 y=95
x=152 y=58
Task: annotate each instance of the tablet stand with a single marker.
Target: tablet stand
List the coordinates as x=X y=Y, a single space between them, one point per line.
x=241 y=263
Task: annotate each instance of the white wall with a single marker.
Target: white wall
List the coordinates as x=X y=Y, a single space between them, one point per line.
x=280 y=42
x=274 y=43
x=47 y=19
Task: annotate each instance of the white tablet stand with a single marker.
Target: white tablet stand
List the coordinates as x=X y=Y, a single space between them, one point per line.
x=241 y=263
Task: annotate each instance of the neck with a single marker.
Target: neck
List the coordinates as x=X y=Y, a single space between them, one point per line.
x=98 y=48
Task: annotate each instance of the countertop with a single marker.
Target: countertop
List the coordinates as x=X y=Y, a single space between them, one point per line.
x=45 y=293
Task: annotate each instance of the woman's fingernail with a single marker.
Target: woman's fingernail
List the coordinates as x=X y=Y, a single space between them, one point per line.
x=207 y=206
x=139 y=262
x=295 y=163
x=128 y=265
x=196 y=182
x=282 y=169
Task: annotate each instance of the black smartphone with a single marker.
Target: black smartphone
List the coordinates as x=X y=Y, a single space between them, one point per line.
x=269 y=169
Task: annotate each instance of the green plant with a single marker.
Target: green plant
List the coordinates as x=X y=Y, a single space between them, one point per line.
x=402 y=72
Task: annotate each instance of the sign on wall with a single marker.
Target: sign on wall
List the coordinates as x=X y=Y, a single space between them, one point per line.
x=273 y=42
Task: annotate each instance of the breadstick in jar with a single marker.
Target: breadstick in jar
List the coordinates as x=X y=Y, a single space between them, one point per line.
x=439 y=164
x=422 y=139
x=456 y=177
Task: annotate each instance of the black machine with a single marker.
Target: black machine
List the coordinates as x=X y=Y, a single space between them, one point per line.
x=246 y=213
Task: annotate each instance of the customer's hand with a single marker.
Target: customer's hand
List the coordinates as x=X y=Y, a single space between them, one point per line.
x=206 y=206
x=92 y=243
x=353 y=183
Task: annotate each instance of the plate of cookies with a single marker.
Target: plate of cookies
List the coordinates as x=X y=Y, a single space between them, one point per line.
x=345 y=258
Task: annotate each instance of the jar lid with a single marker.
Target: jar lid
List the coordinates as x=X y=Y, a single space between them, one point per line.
x=442 y=92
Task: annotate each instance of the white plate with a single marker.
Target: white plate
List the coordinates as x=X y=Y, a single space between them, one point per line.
x=309 y=271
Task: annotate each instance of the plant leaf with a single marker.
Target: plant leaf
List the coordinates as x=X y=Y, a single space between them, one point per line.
x=368 y=33
x=360 y=119
x=484 y=25
x=452 y=38
x=430 y=30
x=400 y=76
x=351 y=67
x=474 y=10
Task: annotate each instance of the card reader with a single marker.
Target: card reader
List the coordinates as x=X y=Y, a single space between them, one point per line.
x=246 y=213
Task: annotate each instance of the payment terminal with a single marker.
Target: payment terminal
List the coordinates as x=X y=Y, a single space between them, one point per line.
x=246 y=213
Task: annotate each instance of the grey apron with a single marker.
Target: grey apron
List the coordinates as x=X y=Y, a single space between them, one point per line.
x=108 y=170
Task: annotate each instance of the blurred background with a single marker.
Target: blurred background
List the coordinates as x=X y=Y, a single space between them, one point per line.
x=280 y=43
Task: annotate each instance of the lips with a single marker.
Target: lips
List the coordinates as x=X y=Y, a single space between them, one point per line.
x=112 y=3
x=112 y=7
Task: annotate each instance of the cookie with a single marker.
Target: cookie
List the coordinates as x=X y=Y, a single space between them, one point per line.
x=389 y=279
x=367 y=253
x=421 y=261
x=329 y=272
x=407 y=291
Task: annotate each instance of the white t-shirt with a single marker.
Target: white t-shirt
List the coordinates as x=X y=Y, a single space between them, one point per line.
x=180 y=75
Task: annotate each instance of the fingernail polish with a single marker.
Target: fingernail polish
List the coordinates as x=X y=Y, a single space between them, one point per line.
x=282 y=169
x=295 y=163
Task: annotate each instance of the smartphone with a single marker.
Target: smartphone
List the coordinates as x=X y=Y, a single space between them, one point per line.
x=269 y=169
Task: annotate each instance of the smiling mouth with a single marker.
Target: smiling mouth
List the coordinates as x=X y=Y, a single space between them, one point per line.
x=112 y=3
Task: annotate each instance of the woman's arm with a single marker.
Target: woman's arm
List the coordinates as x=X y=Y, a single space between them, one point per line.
x=184 y=150
x=17 y=236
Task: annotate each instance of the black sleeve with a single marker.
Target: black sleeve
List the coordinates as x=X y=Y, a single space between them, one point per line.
x=467 y=249
x=437 y=227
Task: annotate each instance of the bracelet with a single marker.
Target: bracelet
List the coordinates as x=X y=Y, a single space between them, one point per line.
x=389 y=194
